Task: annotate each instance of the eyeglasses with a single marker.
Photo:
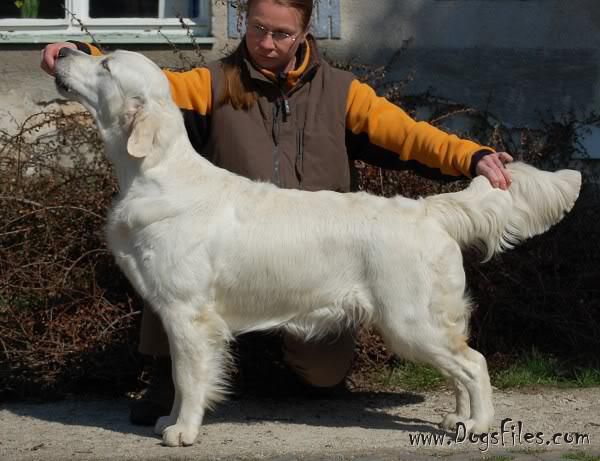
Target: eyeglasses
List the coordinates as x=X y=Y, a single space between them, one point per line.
x=261 y=32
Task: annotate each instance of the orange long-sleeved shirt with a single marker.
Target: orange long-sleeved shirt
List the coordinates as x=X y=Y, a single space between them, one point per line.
x=385 y=124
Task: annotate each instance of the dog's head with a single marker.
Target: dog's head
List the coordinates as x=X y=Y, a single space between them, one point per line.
x=125 y=92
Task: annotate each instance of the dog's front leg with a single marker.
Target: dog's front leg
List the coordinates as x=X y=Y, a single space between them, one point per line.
x=165 y=421
x=198 y=345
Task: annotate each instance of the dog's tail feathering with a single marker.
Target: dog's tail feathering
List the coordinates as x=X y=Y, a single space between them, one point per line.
x=494 y=220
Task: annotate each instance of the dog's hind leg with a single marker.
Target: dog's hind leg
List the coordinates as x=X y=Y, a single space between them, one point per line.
x=198 y=344
x=463 y=404
x=469 y=372
x=465 y=367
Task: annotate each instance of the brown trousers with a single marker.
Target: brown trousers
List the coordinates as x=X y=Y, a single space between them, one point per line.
x=323 y=363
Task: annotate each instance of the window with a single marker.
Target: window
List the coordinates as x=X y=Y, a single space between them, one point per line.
x=28 y=9
x=109 y=21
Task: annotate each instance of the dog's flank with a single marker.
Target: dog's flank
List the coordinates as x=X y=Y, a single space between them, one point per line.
x=215 y=254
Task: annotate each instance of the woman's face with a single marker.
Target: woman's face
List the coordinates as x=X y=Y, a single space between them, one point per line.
x=273 y=35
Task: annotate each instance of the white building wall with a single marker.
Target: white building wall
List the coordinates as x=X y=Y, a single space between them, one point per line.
x=515 y=57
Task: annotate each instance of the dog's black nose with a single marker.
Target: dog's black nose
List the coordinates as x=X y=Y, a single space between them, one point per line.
x=63 y=52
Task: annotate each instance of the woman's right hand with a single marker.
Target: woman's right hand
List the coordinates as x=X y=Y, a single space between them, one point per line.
x=50 y=53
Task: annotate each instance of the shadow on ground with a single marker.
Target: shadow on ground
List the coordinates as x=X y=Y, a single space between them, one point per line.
x=358 y=409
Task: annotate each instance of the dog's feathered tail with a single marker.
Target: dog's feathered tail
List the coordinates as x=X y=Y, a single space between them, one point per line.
x=495 y=220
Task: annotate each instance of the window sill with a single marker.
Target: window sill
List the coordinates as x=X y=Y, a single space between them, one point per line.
x=141 y=37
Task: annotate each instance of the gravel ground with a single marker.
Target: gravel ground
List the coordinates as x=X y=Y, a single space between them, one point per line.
x=363 y=426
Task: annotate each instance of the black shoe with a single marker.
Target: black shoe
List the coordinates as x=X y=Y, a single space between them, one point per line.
x=338 y=392
x=156 y=399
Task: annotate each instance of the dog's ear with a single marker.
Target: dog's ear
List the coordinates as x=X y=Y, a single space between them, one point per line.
x=143 y=129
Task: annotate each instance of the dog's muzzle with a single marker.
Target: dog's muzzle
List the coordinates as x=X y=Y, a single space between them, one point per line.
x=61 y=84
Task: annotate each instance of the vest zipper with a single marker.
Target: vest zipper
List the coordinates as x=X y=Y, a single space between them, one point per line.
x=281 y=106
x=300 y=156
x=276 y=177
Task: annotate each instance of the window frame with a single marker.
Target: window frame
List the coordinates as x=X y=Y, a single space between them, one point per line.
x=107 y=30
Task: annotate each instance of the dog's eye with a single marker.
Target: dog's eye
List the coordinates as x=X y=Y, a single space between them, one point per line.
x=104 y=63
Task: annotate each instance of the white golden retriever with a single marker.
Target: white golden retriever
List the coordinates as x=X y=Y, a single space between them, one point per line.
x=216 y=254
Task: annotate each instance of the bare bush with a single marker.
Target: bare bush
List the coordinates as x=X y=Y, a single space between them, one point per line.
x=68 y=318
x=62 y=301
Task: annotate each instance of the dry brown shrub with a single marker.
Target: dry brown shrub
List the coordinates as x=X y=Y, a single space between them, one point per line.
x=68 y=319
x=63 y=304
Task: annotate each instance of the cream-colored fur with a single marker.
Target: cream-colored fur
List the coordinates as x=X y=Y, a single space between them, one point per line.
x=216 y=254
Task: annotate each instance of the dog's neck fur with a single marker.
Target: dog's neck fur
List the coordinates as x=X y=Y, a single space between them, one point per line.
x=125 y=167
x=169 y=153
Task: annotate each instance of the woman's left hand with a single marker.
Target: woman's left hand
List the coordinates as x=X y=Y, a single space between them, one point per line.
x=492 y=167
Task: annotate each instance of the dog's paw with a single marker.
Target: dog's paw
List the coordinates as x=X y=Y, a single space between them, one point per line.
x=451 y=421
x=162 y=423
x=454 y=423
x=477 y=427
x=179 y=435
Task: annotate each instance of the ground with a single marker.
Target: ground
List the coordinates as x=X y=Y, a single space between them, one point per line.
x=359 y=426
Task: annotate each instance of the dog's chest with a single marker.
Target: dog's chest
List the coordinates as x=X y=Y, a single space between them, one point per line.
x=133 y=250
x=163 y=260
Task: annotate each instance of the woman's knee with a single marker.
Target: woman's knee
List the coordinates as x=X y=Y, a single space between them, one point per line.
x=322 y=363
